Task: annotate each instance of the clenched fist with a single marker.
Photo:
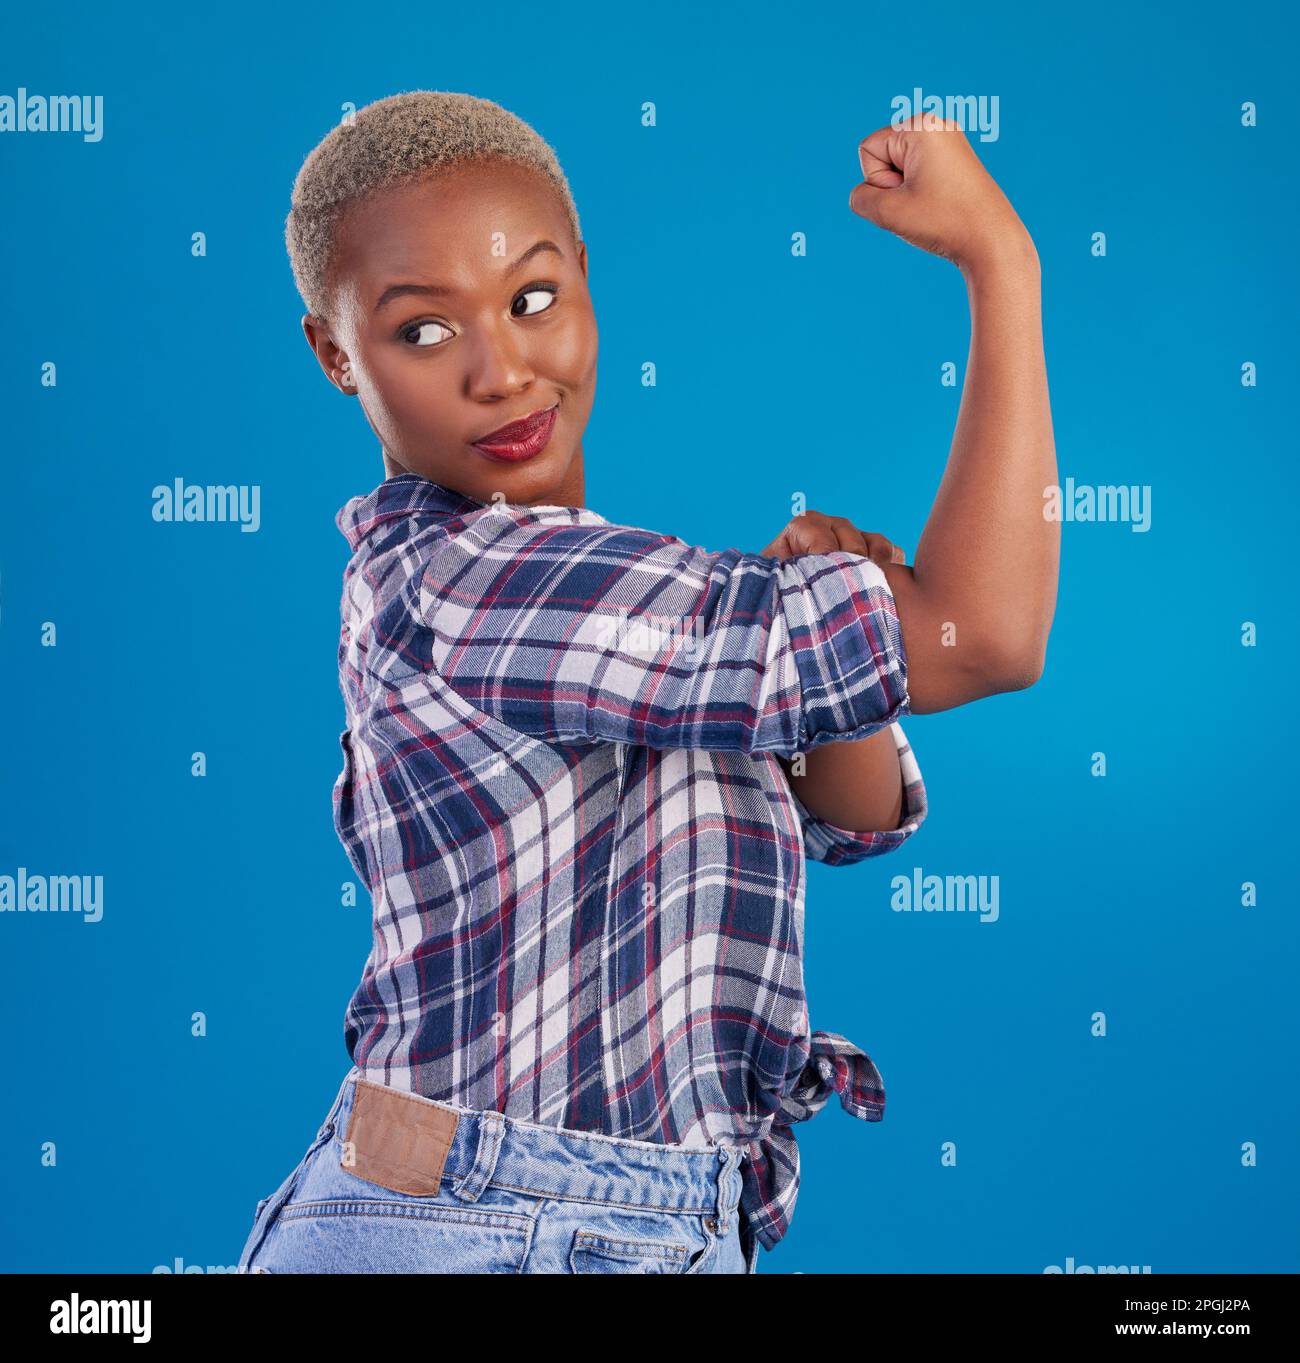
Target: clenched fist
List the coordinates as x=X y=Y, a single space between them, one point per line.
x=816 y=533
x=923 y=182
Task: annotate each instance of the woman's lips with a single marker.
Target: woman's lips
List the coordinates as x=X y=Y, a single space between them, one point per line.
x=520 y=439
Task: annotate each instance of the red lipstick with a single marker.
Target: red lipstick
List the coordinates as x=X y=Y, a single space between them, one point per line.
x=519 y=440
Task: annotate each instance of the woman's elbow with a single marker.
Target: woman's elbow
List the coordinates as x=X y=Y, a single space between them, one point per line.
x=1015 y=665
x=991 y=661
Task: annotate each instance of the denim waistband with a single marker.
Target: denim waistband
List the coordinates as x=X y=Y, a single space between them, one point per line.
x=528 y=1157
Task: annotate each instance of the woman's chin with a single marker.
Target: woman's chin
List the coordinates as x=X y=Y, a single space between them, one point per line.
x=543 y=480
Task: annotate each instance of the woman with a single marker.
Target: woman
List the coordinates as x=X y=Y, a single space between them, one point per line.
x=585 y=762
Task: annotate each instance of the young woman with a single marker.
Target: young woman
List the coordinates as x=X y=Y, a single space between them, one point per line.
x=584 y=762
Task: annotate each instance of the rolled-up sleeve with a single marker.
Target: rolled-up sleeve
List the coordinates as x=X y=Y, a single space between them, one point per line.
x=836 y=846
x=568 y=628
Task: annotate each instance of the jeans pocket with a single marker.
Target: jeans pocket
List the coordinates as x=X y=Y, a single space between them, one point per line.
x=613 y=1251
x=360 y=1235
x=268 y=1207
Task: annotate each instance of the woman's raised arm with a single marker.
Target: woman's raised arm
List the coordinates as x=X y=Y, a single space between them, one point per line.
x=976 y=604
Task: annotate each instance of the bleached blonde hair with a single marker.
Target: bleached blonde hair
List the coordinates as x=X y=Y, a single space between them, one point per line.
x=390 y=142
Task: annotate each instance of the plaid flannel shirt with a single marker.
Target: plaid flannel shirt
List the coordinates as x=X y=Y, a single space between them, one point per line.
x=560 y=785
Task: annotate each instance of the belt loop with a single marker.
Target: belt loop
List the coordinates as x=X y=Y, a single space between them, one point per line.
x=328 y=1125
x=491 y=1127
x=728 y=1188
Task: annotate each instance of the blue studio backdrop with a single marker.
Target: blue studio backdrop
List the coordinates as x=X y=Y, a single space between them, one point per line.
x=1099 y=1074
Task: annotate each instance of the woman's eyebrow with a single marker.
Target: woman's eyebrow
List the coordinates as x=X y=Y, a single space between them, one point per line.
x=402 y=290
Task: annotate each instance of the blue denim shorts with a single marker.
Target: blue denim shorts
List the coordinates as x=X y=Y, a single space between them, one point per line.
x=398 y=1183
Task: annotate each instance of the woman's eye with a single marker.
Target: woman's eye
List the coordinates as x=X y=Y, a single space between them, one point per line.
x=424 y=333
x=547 y=294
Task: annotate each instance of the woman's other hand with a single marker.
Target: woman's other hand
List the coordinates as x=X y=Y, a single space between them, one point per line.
x=813 y=532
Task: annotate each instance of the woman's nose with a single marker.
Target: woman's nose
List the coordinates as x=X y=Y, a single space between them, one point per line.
x=497 y=364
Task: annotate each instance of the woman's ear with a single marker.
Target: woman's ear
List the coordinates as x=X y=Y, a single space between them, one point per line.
x=332 y=359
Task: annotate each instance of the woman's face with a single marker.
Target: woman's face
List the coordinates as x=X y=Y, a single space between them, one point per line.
x=453 y=320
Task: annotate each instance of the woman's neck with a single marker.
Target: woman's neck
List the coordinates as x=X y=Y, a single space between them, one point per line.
x=571 y=491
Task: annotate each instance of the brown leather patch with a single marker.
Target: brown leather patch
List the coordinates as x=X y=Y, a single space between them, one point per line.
x=396 y=1140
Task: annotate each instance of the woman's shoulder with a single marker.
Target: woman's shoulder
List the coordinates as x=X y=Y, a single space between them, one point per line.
x=490 y=536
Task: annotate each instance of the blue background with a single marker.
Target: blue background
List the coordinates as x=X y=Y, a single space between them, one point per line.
x=1120 y=894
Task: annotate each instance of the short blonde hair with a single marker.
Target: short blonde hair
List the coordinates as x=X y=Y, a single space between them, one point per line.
x=392 y=141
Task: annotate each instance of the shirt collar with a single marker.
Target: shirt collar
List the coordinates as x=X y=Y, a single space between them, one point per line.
x=410 y=493
x=404 y=495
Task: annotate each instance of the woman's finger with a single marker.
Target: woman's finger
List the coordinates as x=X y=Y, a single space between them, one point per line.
x=811 y=537
x=848 y=537
x=779 y=548
x=882 y=550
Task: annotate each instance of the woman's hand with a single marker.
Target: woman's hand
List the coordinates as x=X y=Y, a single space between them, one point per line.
x=923 y=182
x=813 y=532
